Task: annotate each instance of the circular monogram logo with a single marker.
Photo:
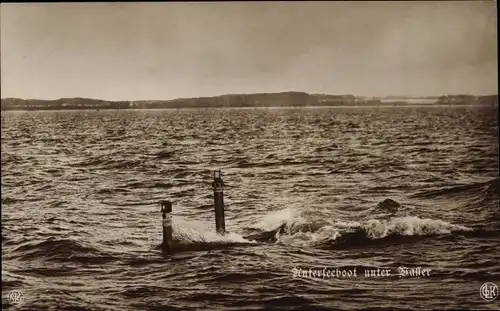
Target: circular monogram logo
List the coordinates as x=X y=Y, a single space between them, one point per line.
x=15 y=297
x=489 y=291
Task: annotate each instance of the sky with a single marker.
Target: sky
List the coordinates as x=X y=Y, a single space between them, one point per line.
x=154 y=51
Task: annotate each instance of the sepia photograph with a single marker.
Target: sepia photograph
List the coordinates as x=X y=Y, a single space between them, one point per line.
x=247 y=155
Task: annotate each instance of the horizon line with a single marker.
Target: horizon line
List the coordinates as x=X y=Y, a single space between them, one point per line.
x=280 y=92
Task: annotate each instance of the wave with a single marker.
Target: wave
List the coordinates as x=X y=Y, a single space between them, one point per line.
x=196 y=235
x=109 y=162
x=165 y=154
x=8 y=200
x=489 y=189
x=296 y=228
x=478 y=199
x=54 y=249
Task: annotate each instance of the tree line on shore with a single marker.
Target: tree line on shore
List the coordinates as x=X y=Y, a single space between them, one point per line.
x=285 y=99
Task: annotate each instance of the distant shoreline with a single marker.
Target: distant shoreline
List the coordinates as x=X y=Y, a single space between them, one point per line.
x=259 y=100
x=261 y=107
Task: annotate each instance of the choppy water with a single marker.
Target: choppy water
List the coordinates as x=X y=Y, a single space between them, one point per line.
x=305 y=189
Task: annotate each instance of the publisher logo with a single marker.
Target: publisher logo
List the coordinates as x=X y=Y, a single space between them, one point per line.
x=15 y=297
x=489 y=291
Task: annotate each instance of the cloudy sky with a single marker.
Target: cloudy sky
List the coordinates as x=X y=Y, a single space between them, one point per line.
x=129 y=51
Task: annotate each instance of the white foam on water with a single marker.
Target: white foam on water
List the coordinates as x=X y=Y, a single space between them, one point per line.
x=308 y=239
x=192 y=231
x=275 y=219
x=410 y=225
x=303 y=231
